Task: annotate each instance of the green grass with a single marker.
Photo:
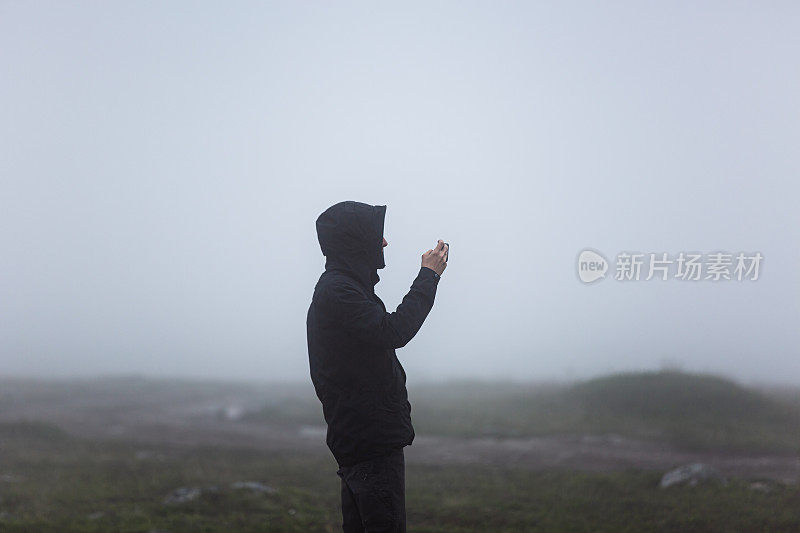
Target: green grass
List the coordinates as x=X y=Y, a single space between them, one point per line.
x=52 y=481
x=690 y=411
x=59 y=483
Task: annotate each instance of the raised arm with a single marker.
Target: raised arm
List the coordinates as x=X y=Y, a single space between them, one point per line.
x=366 y=319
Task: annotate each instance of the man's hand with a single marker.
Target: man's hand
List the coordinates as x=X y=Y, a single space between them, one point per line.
x=435 y=259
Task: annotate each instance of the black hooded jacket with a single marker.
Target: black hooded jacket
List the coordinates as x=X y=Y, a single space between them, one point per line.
x=352 y=339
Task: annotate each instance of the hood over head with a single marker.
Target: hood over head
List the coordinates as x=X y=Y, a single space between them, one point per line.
x=351 y=237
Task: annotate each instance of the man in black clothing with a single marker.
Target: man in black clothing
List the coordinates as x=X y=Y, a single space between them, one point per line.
x=354 y=367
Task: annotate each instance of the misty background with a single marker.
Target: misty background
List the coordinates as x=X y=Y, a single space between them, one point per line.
x=162 y=166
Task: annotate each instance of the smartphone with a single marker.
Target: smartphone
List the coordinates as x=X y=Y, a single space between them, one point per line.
x=447 y=255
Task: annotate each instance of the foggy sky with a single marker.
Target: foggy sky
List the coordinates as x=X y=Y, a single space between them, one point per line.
x=162 y=166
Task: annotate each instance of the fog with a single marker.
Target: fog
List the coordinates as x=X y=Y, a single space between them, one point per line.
x=162 y=166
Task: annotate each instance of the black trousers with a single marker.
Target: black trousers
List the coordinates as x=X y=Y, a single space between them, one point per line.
x=374 y=495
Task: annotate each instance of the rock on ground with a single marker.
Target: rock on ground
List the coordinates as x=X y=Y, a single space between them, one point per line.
x=690 y=474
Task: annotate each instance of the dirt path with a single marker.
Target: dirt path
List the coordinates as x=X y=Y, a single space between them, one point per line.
x=191 y=421
x=595 y=452
x=587 y=452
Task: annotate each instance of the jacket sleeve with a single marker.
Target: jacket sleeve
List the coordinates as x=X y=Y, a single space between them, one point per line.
x=367 y=320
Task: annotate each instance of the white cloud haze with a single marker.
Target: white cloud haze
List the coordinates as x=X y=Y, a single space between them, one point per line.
x=162 y=166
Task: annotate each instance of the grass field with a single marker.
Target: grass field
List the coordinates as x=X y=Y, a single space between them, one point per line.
x=691 y=411
x=53 y=480
x=57 y=483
